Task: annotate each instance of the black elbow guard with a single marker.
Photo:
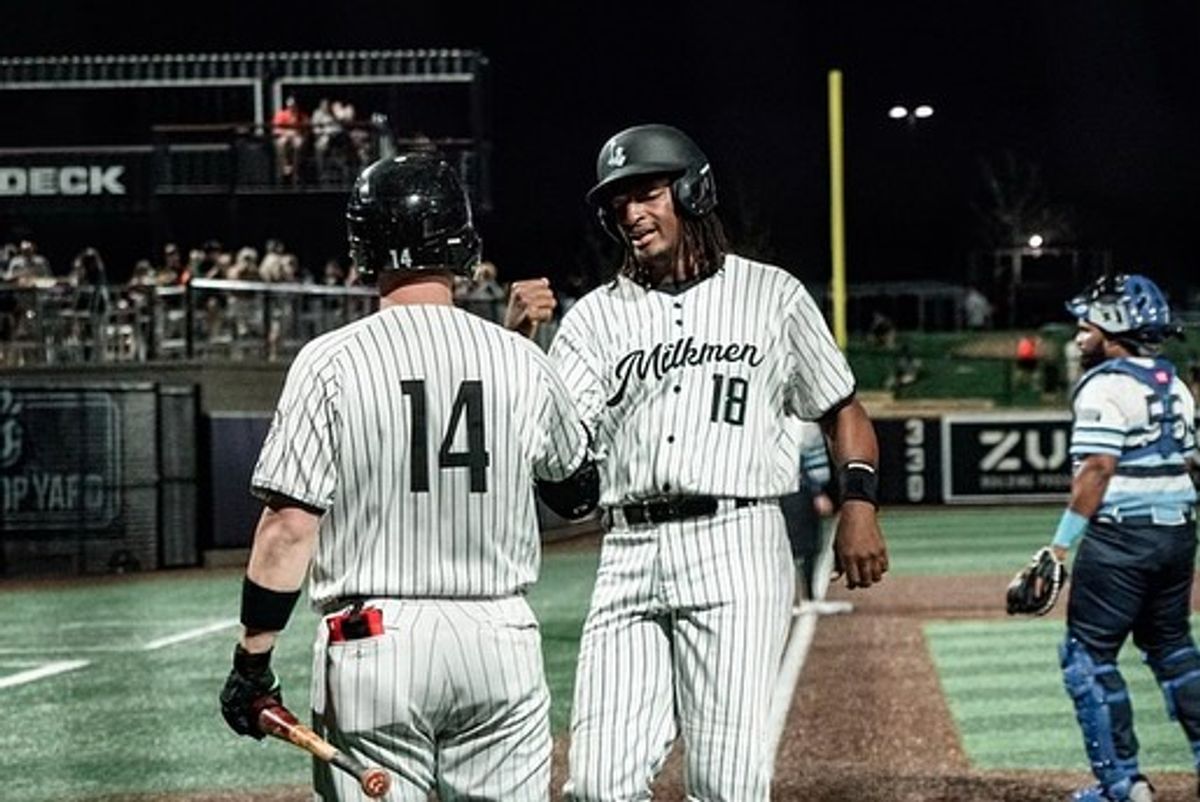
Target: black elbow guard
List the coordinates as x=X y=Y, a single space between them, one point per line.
x=575 y=496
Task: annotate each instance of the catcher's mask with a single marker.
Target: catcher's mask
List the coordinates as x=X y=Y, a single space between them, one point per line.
x=410 y=214
x=1128 y=308
x=650 y=150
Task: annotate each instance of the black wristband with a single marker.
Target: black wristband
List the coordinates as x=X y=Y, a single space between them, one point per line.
x=857 y=481
x=251 y=665
x=265 y=610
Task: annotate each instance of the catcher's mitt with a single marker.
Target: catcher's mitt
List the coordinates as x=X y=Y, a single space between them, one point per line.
x=1035 y=589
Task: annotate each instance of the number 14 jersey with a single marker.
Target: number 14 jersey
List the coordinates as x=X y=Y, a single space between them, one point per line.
x=419 y=431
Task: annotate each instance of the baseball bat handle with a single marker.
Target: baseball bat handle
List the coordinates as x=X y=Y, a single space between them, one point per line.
x=278 y=721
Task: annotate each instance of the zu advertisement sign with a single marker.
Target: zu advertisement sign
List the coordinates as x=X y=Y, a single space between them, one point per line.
x=1008 y=456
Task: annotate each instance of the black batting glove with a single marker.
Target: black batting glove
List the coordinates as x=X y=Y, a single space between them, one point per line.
x=250 y=687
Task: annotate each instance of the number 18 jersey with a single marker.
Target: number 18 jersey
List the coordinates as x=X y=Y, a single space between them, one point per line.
x=700 y=390
x=420 y=430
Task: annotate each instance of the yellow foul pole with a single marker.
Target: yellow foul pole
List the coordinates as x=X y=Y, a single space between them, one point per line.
x=837 y=219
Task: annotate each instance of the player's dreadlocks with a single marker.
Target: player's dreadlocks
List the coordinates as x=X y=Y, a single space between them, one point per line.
x=703 y=245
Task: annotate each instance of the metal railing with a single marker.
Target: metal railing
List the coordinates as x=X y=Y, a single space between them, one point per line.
x=209 y=319
x=263 y=74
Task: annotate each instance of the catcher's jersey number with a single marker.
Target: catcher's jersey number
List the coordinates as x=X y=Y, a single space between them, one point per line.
x=475 y=458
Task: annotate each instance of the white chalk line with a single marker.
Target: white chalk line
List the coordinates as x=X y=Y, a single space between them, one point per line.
x=41 y=672
x=190 y=634
x=800 y=638
x=44 y=670
x=149 y=646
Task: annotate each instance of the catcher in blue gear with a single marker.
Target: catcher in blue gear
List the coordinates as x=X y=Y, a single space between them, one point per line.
x=1132 y=508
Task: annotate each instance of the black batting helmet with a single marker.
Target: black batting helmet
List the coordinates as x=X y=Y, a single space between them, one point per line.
x=646 y=150
x=410 y=213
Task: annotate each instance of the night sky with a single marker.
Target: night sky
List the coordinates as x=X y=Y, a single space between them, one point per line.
x=1099 y=97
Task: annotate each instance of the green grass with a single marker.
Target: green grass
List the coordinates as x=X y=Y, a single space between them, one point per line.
x=135 y=721
x=950 y=540
x=1002 y=679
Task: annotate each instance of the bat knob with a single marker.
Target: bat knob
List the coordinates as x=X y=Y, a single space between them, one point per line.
x=375 y=782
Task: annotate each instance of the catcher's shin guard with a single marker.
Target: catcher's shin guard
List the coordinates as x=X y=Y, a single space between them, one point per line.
x=1104 y=715
x=1178 y=674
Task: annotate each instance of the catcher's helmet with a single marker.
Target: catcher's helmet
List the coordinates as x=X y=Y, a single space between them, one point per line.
x=1126 y=307
x=646 y=150
x=410 y=213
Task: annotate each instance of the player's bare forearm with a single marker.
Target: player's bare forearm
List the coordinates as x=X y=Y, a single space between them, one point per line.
x=859 y=547
x=1090 y=482
x=283 y=545
x=851 y=435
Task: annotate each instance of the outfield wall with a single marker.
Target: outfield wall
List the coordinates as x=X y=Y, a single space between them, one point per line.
x=109 y=476
x=97 y=477
x=975 y=457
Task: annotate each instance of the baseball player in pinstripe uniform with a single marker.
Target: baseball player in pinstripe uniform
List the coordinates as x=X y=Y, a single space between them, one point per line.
x=688 y=369
x=401 y=462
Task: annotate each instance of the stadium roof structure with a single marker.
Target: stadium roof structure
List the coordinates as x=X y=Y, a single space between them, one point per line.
x=266 y=74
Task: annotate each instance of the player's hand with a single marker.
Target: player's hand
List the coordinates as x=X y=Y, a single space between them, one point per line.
x=250 y=686
x=530 y=303
x=823 y=505
x=858 y=546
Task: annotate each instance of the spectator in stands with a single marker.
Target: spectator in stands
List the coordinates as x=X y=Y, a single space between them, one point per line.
x=481 y=294
x=288 y=127
x=197 y=265
x=275 y=265
x=7 y=251
x=28 y=265
x=882 y=330
x=384 y=138
x=173 y=270
x=211 y=256
x=144 y=274
x=221 y=267
x=907 y=368
x=89 y=276
x=359 y=138
x=336 y=271
x=92 y=303
x=325 y=130
x=245 y=266
x=977 y=309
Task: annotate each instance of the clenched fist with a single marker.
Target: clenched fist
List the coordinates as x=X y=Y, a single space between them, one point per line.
x=530 y=303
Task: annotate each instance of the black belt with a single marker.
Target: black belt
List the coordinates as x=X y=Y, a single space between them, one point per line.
x=676 y=509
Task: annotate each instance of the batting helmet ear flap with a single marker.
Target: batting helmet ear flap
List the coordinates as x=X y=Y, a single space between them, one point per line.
x=696 y=191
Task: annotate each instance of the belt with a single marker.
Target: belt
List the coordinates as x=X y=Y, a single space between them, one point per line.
x=1155 y=518
x=672 y=509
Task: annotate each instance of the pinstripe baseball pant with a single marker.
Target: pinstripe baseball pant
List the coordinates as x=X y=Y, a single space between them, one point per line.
x=452 y=697
x=683 y=638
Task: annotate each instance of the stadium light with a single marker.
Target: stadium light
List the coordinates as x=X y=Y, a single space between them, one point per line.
x=922 y=112
x=1036 y=241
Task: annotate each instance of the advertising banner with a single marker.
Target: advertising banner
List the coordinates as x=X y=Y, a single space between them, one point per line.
x=60 y=461
x=1006 y=457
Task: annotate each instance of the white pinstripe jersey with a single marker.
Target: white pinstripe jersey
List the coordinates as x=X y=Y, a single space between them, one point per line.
x=691 y=392
x=420 y=431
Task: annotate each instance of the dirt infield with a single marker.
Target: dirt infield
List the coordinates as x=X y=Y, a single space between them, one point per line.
x=868 y=722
